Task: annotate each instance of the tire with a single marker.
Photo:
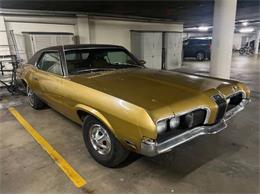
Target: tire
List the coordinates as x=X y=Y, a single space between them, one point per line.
x=200 y=56
x=209 y=56
x=33 y=99
x=242 y=51
x=109 y=152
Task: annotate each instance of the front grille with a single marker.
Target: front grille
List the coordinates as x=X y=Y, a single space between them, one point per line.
x=235 y=100
x=222 y=106
x=198 y=118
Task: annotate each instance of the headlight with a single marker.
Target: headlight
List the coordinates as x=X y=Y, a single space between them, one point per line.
x=174 y=122
x=228 y=100
x=161 y=126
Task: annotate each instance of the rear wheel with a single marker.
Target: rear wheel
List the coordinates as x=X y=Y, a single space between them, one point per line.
x=102 y=144
x=34 y=101
x=200 y=56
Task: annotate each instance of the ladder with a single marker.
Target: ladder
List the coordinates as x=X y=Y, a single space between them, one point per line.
x=9 y=65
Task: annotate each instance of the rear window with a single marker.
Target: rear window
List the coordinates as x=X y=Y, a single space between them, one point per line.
x=199 y=41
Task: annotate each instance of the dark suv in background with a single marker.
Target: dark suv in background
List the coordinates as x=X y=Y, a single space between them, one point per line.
x=197 y=48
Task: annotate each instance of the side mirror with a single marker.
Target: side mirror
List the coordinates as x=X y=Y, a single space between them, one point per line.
x=142 y=62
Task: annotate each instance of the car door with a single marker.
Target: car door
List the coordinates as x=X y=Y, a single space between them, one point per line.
x=49 y=78
x=187 y=48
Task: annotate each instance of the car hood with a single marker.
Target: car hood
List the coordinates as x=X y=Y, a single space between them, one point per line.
x=148 y=88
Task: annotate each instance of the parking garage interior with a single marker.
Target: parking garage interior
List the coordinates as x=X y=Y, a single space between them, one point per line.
x=203 y=37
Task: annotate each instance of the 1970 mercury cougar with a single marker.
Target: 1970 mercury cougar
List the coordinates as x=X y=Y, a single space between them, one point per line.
x=125 y=107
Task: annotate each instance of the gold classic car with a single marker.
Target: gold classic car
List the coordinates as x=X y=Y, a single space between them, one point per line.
x=125 y=107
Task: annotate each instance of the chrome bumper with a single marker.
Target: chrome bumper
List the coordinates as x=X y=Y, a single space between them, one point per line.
x=152 y=148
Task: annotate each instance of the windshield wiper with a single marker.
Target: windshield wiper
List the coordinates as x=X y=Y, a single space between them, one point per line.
x=126 y=64
x=94 y=70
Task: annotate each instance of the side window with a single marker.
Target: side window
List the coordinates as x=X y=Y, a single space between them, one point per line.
x=119 y=57
x=50 y=62
x=185 y=43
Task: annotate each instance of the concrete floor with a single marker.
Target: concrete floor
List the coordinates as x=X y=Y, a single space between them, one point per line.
x=228 y=162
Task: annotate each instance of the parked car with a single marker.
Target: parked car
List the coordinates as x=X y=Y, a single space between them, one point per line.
x=125 y=107
x=197 y=48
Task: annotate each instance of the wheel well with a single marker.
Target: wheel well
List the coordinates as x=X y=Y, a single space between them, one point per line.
x=201 y=51
x=83 y=114
x=24 y=83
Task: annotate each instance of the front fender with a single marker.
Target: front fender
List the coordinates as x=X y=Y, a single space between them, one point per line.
x=95 y=113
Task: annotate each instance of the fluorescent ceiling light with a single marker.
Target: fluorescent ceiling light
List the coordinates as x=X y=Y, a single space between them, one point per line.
x=204 y=38
x=203 y=28
x=246 y=30
x=245 y=23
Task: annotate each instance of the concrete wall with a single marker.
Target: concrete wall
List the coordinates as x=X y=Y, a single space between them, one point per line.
x=4 y=49
x=118 y=32
x=90 y=30
x=19 y=27
x=237 y=41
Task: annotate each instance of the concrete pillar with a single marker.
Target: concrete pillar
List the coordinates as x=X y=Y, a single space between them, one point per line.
x=257 y=41
x=223 y=31
x=82 y=29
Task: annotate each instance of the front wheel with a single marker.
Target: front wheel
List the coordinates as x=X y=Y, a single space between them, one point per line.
x=34 y=101
x=102 y=144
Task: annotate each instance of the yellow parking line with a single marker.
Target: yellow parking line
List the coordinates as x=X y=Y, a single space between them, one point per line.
x=59 y=160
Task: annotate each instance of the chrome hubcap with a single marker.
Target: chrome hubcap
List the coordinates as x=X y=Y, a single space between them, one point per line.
x=30 y=96
x=100 y=139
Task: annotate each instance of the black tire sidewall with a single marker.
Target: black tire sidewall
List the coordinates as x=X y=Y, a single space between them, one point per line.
x=37 y=103
x=242 y=51
x=117 y=153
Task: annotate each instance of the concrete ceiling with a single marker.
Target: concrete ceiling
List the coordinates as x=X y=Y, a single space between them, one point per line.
x=190 y=12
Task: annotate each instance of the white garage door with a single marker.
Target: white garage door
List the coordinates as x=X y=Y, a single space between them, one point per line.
x=153 y=50
x=35 y=42
x=148 y=46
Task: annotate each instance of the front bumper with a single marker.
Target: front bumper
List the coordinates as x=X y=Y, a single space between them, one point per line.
x=152 y=148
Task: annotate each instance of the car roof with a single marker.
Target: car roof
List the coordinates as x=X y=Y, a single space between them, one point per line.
x=200 y=39
x=83 y=46
x=34 y=58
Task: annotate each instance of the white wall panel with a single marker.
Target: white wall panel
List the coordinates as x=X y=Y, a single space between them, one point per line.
x=20 y=27
x=102 y=31
x=4 y=49
x=237 y=41
x=148 y=46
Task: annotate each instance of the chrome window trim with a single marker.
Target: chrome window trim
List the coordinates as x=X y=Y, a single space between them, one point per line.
x=92 y=48
x=49 y=51
x=66 y=74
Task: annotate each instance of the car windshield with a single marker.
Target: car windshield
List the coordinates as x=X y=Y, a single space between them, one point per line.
x=93 y=60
